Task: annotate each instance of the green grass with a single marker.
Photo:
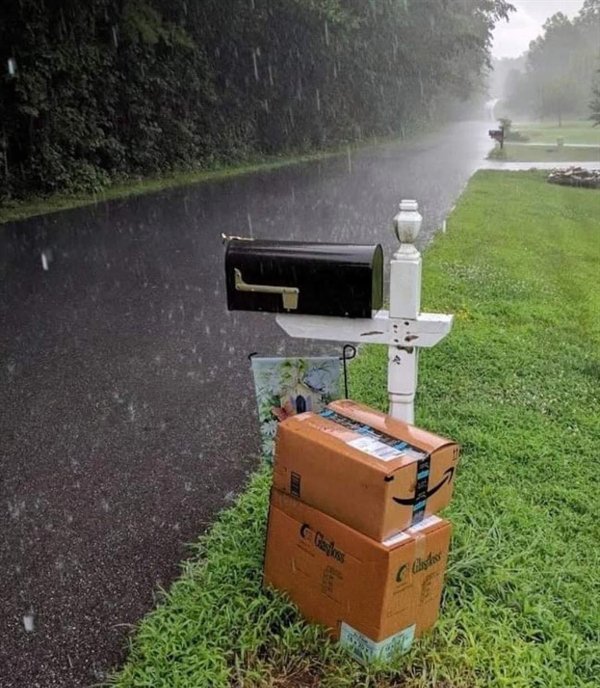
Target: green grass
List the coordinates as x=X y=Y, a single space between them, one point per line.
x=518 y=152
x=571 y=132
x=516 y=383
x=42 y=205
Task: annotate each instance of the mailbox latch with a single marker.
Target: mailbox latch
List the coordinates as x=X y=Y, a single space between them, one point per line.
x=288 y=294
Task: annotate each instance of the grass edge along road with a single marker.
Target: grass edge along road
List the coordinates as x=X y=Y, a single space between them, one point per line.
x=515 y=383
x=12 y=211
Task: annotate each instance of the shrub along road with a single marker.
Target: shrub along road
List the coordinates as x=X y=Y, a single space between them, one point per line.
x=127 y=405
x=516 y=384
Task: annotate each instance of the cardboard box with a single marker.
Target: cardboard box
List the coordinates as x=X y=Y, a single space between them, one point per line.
x=373 y=472
x=374 y=596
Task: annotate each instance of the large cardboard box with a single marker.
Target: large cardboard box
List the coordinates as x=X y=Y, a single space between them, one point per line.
x=374 y=596
x=373 y=472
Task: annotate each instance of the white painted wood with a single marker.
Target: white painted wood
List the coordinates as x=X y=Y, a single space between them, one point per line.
x=374 y=330
x=405 y=283
x=402 y=382
x=426 y=331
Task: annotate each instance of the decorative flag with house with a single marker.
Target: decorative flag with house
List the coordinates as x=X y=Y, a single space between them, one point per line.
x=287 y=386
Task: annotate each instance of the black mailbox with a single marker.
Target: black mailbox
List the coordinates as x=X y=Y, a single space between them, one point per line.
x=344 y=280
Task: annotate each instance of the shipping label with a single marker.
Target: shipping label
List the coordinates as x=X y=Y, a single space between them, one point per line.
x=365 y=649
x=374 y=442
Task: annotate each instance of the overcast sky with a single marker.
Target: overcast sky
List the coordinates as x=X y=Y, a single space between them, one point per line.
x=512 y=39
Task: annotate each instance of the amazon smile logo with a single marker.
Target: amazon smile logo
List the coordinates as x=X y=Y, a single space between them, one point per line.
x=322 y=543
x=447 y=478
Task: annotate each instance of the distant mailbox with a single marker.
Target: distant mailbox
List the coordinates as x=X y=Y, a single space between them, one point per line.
x=343 y=280
x=497 y=135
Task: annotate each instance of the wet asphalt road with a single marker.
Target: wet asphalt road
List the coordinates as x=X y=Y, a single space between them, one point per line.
x=126 y=407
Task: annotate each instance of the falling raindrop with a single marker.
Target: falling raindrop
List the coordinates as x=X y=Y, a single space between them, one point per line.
x=326 y=33
x=250 y=226
x=115 y=36
x=255 y=63
x=318 y=101
x=59 y=565
x=28 y=621
x=12 y=66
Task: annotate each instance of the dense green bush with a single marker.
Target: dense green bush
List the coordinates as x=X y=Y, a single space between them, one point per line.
x=107 y=89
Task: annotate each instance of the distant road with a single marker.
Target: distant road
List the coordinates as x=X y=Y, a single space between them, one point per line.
x=521 y=166
x=126 y=402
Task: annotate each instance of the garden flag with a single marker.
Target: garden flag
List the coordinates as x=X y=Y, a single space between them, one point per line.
x=286 y=386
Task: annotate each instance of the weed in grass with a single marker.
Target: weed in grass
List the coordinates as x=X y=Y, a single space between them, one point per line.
x=516 y=383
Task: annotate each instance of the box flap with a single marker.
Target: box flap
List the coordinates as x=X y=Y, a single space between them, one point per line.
x=362 y=547
x=416 y=437
x=379 y=450
x=426 y=526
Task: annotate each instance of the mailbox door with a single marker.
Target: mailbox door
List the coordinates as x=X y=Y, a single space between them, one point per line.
x=343 y=280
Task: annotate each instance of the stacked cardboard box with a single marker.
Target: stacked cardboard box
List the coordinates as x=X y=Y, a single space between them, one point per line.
x=353 y=538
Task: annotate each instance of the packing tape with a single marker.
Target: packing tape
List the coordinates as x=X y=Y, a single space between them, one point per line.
x=420 y=548
x=421 y=489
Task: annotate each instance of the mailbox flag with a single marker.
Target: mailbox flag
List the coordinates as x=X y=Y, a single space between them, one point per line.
x=288 y=386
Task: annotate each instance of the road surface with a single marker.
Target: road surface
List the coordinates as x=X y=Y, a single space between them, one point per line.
x=126 y=402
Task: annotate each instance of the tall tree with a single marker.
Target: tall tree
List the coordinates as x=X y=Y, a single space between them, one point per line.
x=560 y=67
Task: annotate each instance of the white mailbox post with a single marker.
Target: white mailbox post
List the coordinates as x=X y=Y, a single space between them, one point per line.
x=404 y=329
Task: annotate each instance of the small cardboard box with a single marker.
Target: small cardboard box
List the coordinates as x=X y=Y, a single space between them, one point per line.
x=375 y=597
x=364 y=468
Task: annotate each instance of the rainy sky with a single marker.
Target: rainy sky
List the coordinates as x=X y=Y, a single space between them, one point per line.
x=512 y=39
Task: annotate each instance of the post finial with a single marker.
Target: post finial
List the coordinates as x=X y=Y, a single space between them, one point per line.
x=407 y=223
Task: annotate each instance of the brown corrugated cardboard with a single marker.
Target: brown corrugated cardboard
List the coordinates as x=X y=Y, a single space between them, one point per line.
x=364 y=468
x=374 y=596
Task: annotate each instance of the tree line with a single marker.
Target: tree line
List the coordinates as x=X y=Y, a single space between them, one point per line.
x=560 y=75
x=103 y=90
